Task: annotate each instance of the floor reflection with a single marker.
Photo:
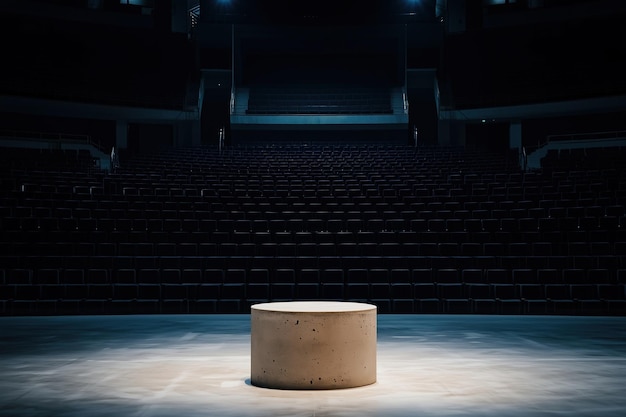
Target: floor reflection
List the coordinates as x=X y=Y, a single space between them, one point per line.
x=199 y=366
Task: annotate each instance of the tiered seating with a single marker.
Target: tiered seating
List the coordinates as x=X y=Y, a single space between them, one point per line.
x=304 y=100
x=431 y=230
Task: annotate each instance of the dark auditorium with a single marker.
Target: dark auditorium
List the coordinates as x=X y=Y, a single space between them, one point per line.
x=313 y=208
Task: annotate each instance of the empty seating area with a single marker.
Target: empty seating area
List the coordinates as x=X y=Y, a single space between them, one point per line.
x=584 y=158
x=428 y=230
x=303 y=100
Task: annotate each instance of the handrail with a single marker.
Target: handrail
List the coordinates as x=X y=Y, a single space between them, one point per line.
x=31 y=134
x=405 y=101
x=582 y=136
x=232 y=100
x=55 y=136
x=616 y=134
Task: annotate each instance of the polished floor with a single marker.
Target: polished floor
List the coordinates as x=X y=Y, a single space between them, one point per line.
x=200 y=365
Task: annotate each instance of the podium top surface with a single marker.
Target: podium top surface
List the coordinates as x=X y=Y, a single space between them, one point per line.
x=314 y=307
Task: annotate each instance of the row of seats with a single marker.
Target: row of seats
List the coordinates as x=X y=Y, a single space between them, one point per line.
x=409 y=175
x=402 y=194
x=464 y=253
x=327 y=290
x=271 y=245
x=208 y=185
x=242 y=215
x=27 y=204
x=220 y=169
x=154 y=305
x=398 y=306
x=323 y=222
x=73 y=275
x=342 y=199
x=337 y=208
x=27 y=269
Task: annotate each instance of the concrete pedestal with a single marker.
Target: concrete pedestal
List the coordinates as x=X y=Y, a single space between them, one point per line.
x=313 y=345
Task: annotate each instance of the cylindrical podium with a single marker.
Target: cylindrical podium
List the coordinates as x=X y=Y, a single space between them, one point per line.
x=313 y=345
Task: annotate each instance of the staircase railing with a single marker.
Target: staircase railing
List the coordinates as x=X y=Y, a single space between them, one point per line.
x=53 y=138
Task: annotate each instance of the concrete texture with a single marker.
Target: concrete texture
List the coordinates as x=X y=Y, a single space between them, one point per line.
x=200 y=366
x=310 y=345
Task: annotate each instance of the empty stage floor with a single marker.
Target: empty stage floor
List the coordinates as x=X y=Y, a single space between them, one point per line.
x=200 y=365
